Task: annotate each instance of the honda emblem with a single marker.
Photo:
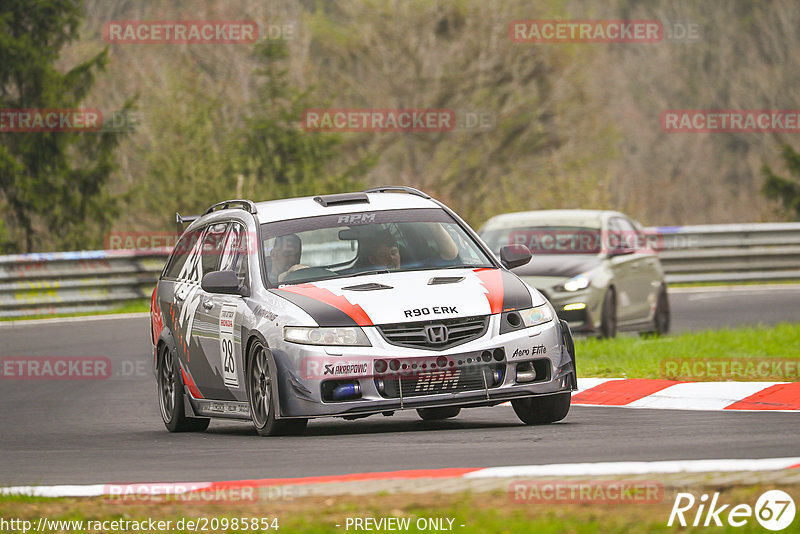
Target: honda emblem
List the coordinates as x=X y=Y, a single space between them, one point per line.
x=436 y=333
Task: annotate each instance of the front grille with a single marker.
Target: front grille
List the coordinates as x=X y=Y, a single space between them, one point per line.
x=460 y=330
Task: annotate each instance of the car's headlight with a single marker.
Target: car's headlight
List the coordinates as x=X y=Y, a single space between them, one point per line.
x=576 y=283
x=351 y=336
x=538 y=315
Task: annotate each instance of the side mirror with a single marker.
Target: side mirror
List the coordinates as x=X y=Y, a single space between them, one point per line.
x=224 y=282
x=514 y=256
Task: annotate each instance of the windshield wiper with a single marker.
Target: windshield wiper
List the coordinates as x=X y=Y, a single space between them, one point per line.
x=466 y=267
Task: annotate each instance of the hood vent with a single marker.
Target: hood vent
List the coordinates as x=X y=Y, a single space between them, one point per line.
x=439 y=280
x=372 y=286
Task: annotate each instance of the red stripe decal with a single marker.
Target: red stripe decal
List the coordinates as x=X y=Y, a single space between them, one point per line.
x=492 y=280
x=156 y=321
x=389 y=475
x=621 y=392
x=339 y=302
x=777 y=397
x=187 y=379
x=796 y=466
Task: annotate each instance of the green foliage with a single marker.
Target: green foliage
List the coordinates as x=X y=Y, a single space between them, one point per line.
x=200 y=153
x=53 y=183
x=277 y=157
x=187 y=164
x=786 y=190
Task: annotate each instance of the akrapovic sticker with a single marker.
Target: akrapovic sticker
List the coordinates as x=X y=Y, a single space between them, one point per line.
x=320 y=367
x=345 y=369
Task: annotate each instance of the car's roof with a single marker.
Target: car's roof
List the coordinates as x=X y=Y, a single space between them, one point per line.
x=302 y=207
x=583 y=218
x=298 y=208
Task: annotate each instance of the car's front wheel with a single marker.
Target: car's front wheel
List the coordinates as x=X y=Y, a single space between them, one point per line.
x=608 y=321
x=170 y=396
x=259 y=395
x=437 y=414
x=544 y=409
x=662 y=317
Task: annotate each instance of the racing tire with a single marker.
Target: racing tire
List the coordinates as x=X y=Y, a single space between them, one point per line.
x=608 y=321
x=260 y=396
x=437 y=414
x=542 y=410
x=170 y=396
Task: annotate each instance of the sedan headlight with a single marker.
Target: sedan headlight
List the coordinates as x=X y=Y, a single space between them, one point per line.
x=350 y=336
x=576 y=283
x=538 y=315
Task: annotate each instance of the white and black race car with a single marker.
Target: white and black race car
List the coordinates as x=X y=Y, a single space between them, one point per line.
x=350 y=305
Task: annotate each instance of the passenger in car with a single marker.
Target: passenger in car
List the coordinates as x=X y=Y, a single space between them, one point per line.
x=285 y=255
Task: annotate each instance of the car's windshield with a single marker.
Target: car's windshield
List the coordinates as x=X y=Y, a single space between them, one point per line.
x=547 y=239
x=364 y=242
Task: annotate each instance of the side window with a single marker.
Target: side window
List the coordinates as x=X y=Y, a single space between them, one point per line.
x=625 y=234
x=183 y=249
x=212 y=248
x=234 y=253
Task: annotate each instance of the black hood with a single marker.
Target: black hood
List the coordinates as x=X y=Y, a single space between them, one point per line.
x=566 y=265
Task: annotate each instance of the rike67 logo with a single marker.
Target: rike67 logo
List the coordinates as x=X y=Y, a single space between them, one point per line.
x=774 y=510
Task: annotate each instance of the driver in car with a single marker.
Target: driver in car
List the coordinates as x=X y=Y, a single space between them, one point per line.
x=382 y=251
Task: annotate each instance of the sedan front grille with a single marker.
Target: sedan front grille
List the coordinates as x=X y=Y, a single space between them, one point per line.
x=459 y=331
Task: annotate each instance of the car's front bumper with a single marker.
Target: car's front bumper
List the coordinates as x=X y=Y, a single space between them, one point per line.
x=581 y=309
x=301 y=373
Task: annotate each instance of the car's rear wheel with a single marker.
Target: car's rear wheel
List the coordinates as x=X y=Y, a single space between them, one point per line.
x=608 y=321
x=436 y=414
x=544 y=409
x=170 y=396
x=260 y=397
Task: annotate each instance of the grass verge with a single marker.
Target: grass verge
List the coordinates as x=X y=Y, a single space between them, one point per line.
x=133 y=306
x=723 y=285
x=478 y=513
x=762 y=353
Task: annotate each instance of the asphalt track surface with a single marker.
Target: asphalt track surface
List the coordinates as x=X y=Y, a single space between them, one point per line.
x=701 y=309
x=75 y=432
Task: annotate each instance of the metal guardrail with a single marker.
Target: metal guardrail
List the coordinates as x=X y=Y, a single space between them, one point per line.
x=70 y=282
x=730 y=252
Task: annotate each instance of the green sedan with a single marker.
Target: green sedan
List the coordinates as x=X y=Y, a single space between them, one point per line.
x=599 y=269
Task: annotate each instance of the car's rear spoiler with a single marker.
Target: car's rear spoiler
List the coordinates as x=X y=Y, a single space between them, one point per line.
x=181 y=219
